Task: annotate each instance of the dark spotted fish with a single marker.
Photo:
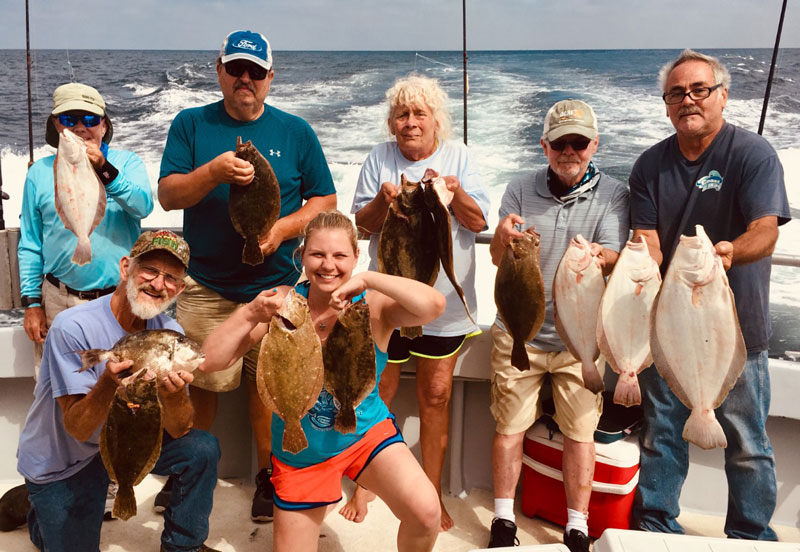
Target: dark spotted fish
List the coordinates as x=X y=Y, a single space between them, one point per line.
x=290 y=369
x=130 y=441
x=254 y=208
x=14 y=508
x=349 y=357
x=519 y=294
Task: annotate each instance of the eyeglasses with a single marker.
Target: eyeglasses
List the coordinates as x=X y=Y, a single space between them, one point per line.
x=150 y=273
x=697 y=94
x=237 y=67
x=89 y=120
x=578 y=144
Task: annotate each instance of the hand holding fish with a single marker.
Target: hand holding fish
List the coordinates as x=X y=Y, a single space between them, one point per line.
x=507 y=231
x=341 y=296
x=95 y=155
x=226 y=167
x=265 y=305
x=270 y=243
x=175 y=382
x=725 y=250
x=388 y=192
x=114 y=368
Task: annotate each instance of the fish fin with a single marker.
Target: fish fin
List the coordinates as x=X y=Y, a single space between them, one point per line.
x=346 y=420
x=591 y=377
x=411 y=332
x=252 y=254
x=737 y=362
x=91 y=357
x=519 y=355
x=294 y=438
x=124 y=503
x=83 y=251
x=660 y=359
x=101 y=205
x=627 y=392
x=602 y=340
x=703 y=429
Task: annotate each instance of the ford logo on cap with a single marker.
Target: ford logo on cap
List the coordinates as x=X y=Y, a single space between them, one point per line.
x=245 y=44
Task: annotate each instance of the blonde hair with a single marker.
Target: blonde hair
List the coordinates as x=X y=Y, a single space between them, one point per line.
x=330 y=220
x=421 y=91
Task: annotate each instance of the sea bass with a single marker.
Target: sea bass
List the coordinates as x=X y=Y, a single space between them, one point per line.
x=80 y=196
x=290 y=370
x=349 y=357
x=130 y=441
x=161 y=351
x=519 y=294
x=577 y=289
x=695 y=337
x=623 y=323
x=254 y=208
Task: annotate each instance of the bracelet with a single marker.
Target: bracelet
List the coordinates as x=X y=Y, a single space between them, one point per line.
x=33 y=305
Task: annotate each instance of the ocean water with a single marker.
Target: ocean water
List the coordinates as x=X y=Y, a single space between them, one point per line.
x=341 y=94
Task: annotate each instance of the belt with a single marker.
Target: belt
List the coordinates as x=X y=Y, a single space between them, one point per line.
x=88 y=294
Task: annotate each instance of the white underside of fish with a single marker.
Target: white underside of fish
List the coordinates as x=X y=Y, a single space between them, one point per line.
x=623 y=321
x=696 y=340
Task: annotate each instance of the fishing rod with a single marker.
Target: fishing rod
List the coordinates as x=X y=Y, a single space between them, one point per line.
x=466 y=85
x=772 y=69
x=30 y=103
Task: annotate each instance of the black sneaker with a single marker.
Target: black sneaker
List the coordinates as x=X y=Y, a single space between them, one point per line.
x=262 y=498
x=504 y=533
x=576 y=541
x=163 y=497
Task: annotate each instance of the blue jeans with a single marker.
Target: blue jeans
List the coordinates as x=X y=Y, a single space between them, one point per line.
x=749 y=461
x=67 y=515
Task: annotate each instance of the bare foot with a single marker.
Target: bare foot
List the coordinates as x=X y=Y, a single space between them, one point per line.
x=447 y=521
x=356 y=508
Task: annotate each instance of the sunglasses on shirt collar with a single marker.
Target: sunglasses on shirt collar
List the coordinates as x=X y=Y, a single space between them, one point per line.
x=89 y=120
x=237 y=67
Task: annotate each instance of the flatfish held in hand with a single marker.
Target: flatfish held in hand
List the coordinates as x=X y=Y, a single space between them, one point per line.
x=290 y=370
x=623 y=322
x=254 y=208
x=161 y=351
x=14 y=508
x=349 y=357
x=130 y=441
x=406 y=246
x=519 y=294
x=577 y=289
x=695 y=337
x=80 y=196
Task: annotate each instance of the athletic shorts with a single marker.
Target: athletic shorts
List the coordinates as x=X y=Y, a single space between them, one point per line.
x=401 y=348
x=199 y=311
x=515 y=402
x=321 y=484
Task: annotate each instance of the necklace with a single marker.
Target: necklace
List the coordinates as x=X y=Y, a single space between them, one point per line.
x=322 y=325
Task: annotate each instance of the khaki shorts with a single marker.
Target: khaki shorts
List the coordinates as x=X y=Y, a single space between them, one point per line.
x=200 y=310
x=515 y=394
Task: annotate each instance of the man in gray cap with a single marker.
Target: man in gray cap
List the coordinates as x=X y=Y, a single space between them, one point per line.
x=568 y=197
x=50 y=282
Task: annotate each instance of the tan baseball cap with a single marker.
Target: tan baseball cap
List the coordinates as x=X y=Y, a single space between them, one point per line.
x=75 y=96
x=165 y=240
x=569 y=117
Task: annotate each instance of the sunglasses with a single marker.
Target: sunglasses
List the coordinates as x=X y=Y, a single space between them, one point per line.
x=89 y=120
x=237 y=67
x=578 y=144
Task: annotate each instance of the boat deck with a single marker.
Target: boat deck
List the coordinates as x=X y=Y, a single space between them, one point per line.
x=232 y=530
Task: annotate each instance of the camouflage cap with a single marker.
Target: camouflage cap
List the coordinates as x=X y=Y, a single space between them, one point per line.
x=162 y=239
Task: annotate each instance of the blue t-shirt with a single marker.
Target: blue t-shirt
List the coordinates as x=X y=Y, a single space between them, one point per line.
x=46 y=451
x=323 y=440
x=738 y=179
x=200 y=134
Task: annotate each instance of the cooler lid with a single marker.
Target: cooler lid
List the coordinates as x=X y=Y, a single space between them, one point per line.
x=623 y=453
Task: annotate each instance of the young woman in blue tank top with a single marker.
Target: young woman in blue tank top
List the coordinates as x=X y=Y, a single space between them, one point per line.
x=308 y=484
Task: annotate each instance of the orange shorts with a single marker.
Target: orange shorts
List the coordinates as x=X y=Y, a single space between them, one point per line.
x=321 y=484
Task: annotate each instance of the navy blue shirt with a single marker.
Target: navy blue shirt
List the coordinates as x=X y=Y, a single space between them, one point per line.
x=737 y=180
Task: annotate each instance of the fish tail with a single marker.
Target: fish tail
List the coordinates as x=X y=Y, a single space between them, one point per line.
x=703 y=429
x=411 y=332
x=345 y=420
x=252 y=254
x=124 y=503
x=90 y=357
x=519 y=356
x=294 y=438
x=627 y=392
x=591 y=377
x=83 y=251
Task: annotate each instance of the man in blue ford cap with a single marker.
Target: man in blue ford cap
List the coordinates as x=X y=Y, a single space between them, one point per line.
x=197 y=170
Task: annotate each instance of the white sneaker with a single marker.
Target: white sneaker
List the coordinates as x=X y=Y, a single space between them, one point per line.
x=111 y=495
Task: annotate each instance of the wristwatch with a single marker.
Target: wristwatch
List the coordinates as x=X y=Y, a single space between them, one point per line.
x=31 y=301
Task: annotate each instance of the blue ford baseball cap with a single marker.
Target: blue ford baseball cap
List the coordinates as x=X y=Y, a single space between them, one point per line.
x=247 y=45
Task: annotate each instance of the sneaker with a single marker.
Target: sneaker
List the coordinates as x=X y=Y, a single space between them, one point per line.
x=576 y=541
x=111 y=495
x=262 y=498
x=504 y=533
x=163 y=497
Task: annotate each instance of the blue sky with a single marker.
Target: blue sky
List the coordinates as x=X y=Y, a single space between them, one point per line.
x=401 y=24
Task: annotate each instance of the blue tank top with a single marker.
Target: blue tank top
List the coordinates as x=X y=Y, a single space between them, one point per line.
x=323 y=440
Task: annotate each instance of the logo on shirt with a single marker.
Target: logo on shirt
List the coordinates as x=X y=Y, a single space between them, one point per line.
x=274 y=153
x=323 y=414
x=713 y=181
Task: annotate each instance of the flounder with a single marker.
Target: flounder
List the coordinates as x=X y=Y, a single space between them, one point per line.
x=14 y=508
x=519 y=294
x=623 y=322
x=349 y=357
x=290 y=369
x=130 y=441
x=695 y=337
x=254 y=208
x=80 y=197
x=577 y=289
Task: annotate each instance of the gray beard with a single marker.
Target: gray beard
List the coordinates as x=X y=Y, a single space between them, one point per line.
x=143 y=310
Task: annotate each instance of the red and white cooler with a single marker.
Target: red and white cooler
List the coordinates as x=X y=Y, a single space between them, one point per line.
x=616 y=474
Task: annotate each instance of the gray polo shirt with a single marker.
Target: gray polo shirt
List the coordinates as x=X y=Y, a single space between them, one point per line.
x=600 y=214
